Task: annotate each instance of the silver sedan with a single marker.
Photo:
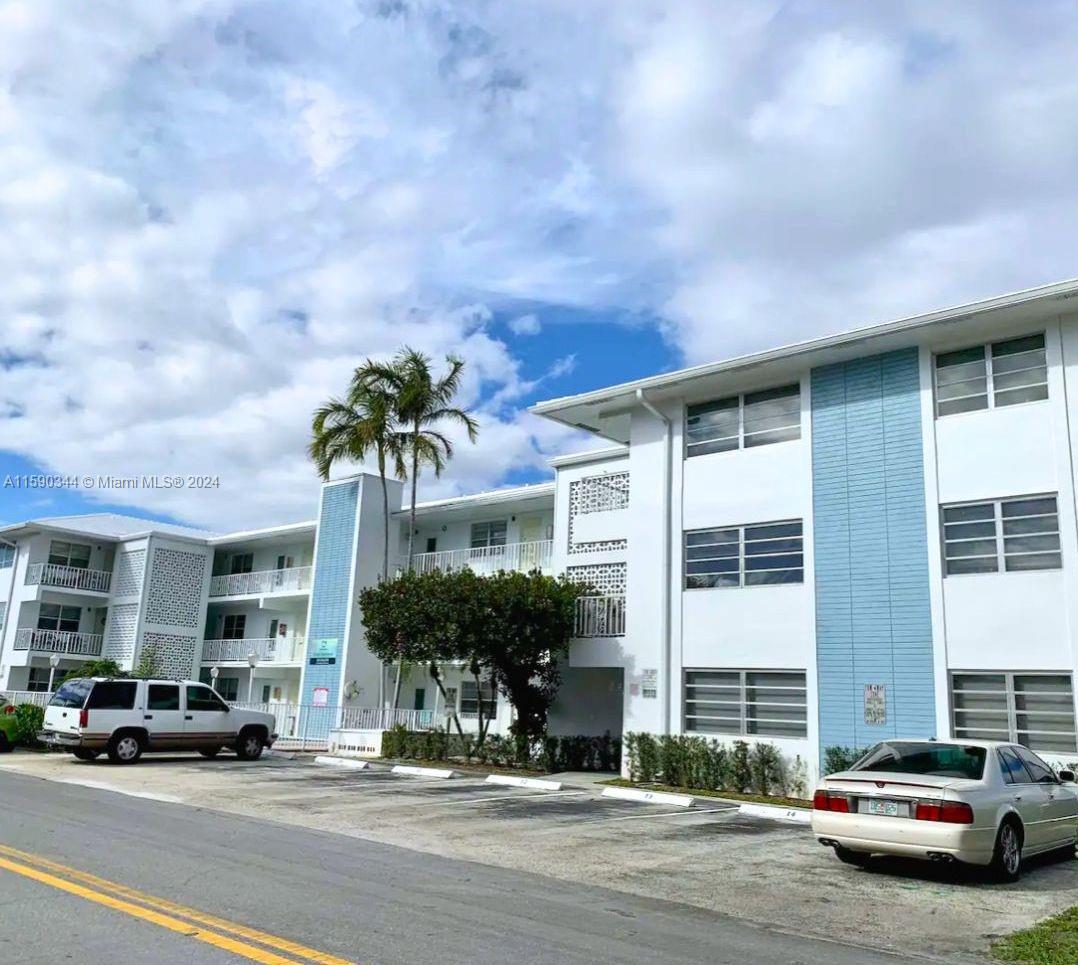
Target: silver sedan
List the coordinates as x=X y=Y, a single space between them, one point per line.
x=981 y=802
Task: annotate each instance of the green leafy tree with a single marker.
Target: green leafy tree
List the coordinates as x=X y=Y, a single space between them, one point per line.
x=95 y=668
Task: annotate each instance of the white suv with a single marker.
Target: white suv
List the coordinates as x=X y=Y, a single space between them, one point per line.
x=88 y=715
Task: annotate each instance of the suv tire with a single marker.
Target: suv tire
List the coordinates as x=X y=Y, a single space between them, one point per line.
x=249 y=745
x=125 y=748
x=85 y=754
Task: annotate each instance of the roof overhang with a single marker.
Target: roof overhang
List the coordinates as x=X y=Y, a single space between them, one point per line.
x=518 y=499
x=606 y=412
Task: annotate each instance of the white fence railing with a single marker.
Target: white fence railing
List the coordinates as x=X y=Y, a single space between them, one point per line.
x=383 y=718
x=39 y=698
x=599 y=616
x=68 y=577
x=307 y=727
x=293 y=579
x=59 y=641
x=524 y=557
x=269 y=650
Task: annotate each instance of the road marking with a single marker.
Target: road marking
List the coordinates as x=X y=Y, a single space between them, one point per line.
x=95 y=888
x=490 y=797
x=684 y=812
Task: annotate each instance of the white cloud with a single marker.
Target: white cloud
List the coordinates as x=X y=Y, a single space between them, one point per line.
x=214 y=210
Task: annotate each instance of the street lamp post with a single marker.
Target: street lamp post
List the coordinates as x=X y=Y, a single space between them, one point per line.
x=252 y=662
x=54 y=662
x=214 y=671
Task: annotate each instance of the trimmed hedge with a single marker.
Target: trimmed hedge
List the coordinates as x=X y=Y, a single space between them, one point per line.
x=551 y=754
x=685 y=761
x=29 y=719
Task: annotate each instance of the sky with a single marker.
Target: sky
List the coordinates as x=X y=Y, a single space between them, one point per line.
x=213 y=210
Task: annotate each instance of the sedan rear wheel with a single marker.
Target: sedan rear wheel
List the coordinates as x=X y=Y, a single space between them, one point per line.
x=1007 y=857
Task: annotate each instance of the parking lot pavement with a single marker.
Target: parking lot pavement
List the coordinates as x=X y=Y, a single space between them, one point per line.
x=709 y=856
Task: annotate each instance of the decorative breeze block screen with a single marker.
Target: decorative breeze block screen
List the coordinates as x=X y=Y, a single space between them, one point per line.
x=119 y=642
x=173 y=655
x=608 y=579
x=175 y=595
x=129 y=568
x=597 y=494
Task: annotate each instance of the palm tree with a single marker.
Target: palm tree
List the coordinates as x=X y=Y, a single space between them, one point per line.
x=423 y=405
x=352 y=428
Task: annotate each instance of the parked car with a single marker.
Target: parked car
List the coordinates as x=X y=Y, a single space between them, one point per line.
x=123 y=718
x=7 y=725
x=981 y=802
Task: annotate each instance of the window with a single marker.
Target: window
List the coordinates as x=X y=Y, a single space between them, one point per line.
x=1040 y=772
x=163 y=697
x=52 y=616
x=1032 y=709
x=489 y=534
x=755 y=555
x=38 y=680
x=234 y=626
x=72 y=693
x=940 y=760
x=432 y=544
x=748 y=702
x=1007 y=534
x=228 y=688
x=69 y=554
x=989 y=376
x=7 y=556
x=1011 y=767
x=285 y=562
x=469 y=699
x=203 y=698
x=113 y=695
x=743 y=421
x=241 y=563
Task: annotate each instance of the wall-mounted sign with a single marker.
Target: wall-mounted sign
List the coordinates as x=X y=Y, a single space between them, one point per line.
x=650 y=684
x=875 y=703
x=320 y=696
x=323 y=652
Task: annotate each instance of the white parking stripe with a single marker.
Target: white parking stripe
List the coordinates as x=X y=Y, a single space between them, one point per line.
x=492 y=797
x=643 y=817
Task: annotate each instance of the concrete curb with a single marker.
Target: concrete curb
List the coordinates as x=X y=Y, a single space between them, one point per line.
x=776 y=813
x=509 y=780
x=648 y=797
x=423 y=771
x=346 y=762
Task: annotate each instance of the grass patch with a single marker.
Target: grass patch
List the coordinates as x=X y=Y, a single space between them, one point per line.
x=1054 y=941
x=785 y=802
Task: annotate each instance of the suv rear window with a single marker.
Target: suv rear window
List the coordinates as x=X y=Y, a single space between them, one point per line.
x=937 y=760
x=72 y=693
x=113 y=695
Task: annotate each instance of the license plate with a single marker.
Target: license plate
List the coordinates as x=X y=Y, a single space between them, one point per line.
x=888 y=809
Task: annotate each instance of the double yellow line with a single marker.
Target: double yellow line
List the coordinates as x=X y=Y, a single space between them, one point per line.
x=239 y=939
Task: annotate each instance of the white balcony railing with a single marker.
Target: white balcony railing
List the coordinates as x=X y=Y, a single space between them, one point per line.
x=378 y=718
x=295 y=579
x=59 y=641
x=269 y=650
x=68 y=577
x=600 y=616
x=39 y=698
x=524 y=557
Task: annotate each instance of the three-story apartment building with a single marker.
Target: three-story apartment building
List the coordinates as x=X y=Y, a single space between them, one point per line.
x=864 y=536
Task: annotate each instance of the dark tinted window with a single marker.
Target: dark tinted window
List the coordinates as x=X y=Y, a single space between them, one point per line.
x=202 y=698
x=1038 y=770
x=940 y=760
x=72 y=693
x=1013 y=770
x=113 y=695
x=163 y=697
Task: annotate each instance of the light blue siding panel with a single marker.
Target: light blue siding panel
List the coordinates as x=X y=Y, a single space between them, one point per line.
x=873 y=622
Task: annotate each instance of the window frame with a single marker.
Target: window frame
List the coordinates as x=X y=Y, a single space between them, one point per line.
x=741 y=434
x=1011 y=733
x=490 y=705
x=238 y=625
x=744 y=686
x=60 y=619
x=742 y=555
x=999 y=537
x=66 y=556
x=219 y=704
x=487 y=526
x=990 y=376
x=238 y=561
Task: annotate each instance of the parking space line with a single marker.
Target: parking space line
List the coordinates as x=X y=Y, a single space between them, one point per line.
x=493 y=797
x=683 y=812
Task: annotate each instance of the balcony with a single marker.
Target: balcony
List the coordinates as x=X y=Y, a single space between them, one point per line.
x=269 y=650
x=524 y=557
x=68 y=577
x=295 y=579
x=59 y=641
x=599 y=616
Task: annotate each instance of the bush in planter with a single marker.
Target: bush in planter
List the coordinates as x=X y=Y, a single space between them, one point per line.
x=29 y=719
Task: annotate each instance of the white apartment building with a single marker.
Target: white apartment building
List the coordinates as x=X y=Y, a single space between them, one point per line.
x=863 y=536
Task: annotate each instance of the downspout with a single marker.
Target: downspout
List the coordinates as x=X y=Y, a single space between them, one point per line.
x=667 y=682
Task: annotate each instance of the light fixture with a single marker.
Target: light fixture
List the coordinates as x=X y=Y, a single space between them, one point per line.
x=54 y=662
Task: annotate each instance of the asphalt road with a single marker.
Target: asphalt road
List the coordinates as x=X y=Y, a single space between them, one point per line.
x=280 y=894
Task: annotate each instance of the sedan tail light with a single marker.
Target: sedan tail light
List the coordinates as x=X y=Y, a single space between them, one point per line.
x=822 y=801
x=949 y=812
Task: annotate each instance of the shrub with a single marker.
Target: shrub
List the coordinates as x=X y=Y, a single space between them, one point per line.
x=837 y=759
x=29 y=719
x=740 y=767
x=765 y=766
x=573 y=753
